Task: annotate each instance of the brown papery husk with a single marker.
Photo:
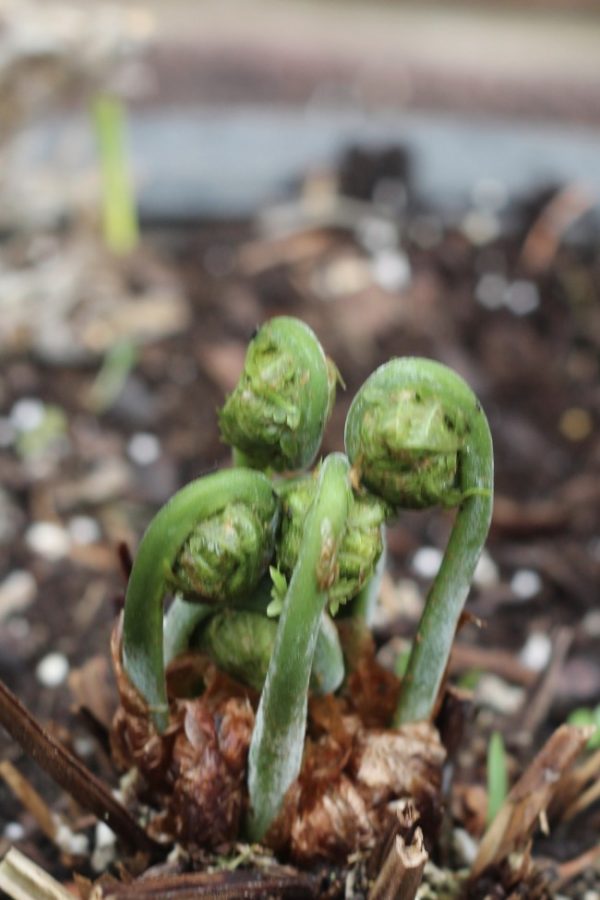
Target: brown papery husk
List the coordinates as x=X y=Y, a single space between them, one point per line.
x=354 y=768
x=194 y=771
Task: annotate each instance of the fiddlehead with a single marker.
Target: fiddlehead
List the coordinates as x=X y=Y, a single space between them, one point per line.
x=196 y=507
x=417 y=435
x=360 y=547
x=278 y=737
x=276 y=415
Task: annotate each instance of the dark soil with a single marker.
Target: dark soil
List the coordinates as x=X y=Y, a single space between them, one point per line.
x=537 y=375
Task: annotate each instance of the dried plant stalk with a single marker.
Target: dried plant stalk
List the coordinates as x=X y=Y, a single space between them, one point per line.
x=530 y=797
x=69 y=772
x=22 y=879
x=402 y=870
x=29 y=797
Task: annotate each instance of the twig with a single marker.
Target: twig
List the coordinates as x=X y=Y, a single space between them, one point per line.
x=543 y=240
x=582 y=802
x=402 y=870
x=570 y=870
x=530 y=797
x=535 y=710
x=575 y=784
x=70 y=773
x=225 y=885
x=30 y=798
x=22 y=879
x=498 y=662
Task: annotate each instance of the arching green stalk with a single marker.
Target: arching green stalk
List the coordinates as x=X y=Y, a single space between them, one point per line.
x=275 y=417
x=278 y=738
x=227 y=570
x=417 y=435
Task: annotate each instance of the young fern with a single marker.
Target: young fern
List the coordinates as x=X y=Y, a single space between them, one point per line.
x=228 y=567
x=417 y=436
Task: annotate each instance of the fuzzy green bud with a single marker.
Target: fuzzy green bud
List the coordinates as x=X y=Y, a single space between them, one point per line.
x=405 y=441
x=225 y=555
x=276 y=415
x=359 y=549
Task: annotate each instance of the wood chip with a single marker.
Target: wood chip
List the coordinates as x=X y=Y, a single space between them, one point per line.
x=22 y=879
x=402 y=870
x=530 y=797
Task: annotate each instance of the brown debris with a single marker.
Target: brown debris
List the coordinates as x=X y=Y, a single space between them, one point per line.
x=578 y=789
x=29 y=797
x=543 y=240
x=354 y=770
x=196 y=769
x=92 y=688
x=402 y=870
x=575 y=867
x=277 y=881
x=331 y=816
x=69 y=772
x=21 y=877
x=530 y=798
x=537 y=707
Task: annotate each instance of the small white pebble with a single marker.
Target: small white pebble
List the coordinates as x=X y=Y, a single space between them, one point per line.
x=71 y=843
x=17 y=592
x=13 y=831
x=104 y=847
x=486 y=571
x=27 y=414
x=427 y=561
x=480 y=227
x=391 y=270
x=591 y=623
x=84 y=746
x=537 y=651
x=52 y=669
x=522 y=298
x=105 y=836
x=143 y=448
x=48 y=539
x=84 y=530
x=376 y=233
x=490 y=290
x=525 y=583
x=465 y=846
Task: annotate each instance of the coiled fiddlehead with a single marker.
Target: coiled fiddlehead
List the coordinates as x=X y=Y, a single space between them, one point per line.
x=278 y=738
x=199 y=505
x=275 y=417
x=417 y=436
x=360 y=547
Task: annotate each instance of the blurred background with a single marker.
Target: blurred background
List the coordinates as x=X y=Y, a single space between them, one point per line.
x=407 y=178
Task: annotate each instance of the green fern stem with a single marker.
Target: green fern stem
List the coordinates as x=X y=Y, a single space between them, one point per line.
x=278 y=737
x=417 y=436
x=157 y=556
